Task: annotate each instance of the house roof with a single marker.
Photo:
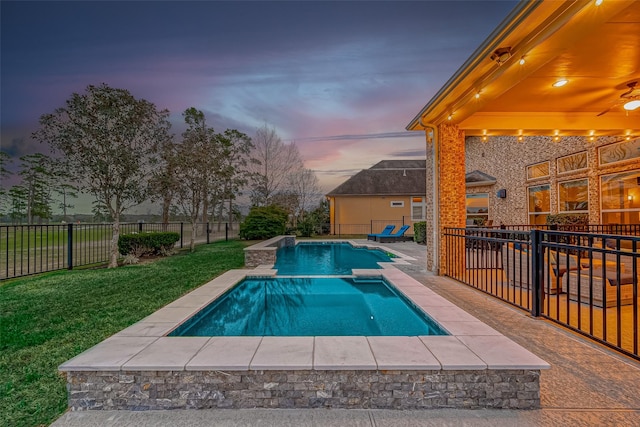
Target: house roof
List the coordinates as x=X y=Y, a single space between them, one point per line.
x=386 y=178
x=594 y=46
x=477 y=179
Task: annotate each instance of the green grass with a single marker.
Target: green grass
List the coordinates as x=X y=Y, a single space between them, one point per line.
x=48 y=319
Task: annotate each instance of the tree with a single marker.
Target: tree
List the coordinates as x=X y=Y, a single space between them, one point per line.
x=66 y=192
x=304 y=184
x=234 y=148
x=164 y=179
x=109 y=140
x=37 y=171
x=273 y=163
x=4 y=173
x=196 y=160
x=17 y=203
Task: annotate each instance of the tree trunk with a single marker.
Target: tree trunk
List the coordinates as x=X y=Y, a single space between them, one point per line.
x=166 y=205
x=113 y=259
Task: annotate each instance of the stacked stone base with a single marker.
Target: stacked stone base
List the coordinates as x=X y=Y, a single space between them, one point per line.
x=147 y=390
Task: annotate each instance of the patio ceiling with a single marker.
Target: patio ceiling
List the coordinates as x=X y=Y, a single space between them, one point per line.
x=595 y=47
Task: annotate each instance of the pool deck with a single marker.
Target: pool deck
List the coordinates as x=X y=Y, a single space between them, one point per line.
x=587 y=384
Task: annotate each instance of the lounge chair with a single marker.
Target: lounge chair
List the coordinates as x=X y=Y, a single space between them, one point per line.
x=396 y=237
x=386 y=232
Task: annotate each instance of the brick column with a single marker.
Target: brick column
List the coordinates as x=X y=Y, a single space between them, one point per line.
x=451 y=183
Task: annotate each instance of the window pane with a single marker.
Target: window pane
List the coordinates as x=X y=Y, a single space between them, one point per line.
x=619 y=152
x=572 y=162
x=573 y=196
x=620 y=198
x=539 y=203
x=478 y=207
x=539 y=170
x=417 y=208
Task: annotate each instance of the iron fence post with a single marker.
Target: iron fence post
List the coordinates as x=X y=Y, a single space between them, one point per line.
x=207 y=233
x=70 y=246
x=181 y=233
x=537 y=260
x=226 y=231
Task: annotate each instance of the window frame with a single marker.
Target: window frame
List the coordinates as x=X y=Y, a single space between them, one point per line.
x=569 y=171
x=560 y=204
x=529 y=211
x=530 y=167
x=396 y=203
x=422 y=205
x=619 y=210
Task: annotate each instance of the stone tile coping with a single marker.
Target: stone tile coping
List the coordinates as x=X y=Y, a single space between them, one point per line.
x=144 y=346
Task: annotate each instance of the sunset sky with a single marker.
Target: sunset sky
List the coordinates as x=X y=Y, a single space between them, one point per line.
x=341 y=79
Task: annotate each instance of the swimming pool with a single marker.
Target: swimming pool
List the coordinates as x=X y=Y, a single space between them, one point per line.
x=328 y=306
x=326 y=258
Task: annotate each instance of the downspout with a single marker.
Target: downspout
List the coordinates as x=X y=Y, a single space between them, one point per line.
x=432 y=137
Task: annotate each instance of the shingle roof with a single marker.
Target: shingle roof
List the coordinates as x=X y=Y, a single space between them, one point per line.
x=477 y=178
x=388 y=177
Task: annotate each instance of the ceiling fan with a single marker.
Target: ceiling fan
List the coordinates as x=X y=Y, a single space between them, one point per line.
x=629 y=99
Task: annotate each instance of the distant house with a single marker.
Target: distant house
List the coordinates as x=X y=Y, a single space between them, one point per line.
x=390 y=192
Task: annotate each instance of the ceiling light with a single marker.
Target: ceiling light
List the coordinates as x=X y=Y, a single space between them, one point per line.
x=522 y=61
x=599 y=2
x=632 y=105
x=450 y=117
x=478 y=95
x=560 y=83
x=501 y=55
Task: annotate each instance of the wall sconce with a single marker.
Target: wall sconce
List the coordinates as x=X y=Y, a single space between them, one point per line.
x=502 y=193
x=630 y=198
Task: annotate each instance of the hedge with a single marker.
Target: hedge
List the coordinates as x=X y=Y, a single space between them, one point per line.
x=147 y=243
x=420 y=232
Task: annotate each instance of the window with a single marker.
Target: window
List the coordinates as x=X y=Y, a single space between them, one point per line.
x=539 y=203
x=539 y=170
x=620 y=198
x=573 y=196
x=418 y=206
x=572 y=162
x=397 y=204
x=619 y=152
x=478 y=207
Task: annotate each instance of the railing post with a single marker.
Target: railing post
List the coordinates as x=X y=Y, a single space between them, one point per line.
x=70 y=246
x=371 y=226
x=181 y=233
x=139 y=226
x=226 y=231
x=207 y=232
x=537 y=275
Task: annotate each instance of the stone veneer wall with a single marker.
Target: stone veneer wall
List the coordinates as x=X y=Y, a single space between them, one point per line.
x=147 y=390
x=506 y=158
x=265 y=252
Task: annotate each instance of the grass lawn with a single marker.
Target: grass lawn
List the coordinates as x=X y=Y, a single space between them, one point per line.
x=48 y=319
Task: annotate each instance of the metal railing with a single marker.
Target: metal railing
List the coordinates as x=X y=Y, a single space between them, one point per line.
x=372 y=227
x=585 y=281
x=32 y=249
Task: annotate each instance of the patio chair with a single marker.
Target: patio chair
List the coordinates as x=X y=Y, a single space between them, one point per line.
x=396 y=237
x=386 y=232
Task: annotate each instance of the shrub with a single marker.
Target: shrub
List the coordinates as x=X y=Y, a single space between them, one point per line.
x=306 y=227
x=147 y=243
x=569 y=221
x=264 y=223
x=420 y=232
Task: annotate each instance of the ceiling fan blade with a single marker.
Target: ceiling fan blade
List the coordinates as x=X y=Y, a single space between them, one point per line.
x=604 y=112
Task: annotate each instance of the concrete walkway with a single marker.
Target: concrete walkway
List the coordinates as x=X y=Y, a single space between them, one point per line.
x=587 y=385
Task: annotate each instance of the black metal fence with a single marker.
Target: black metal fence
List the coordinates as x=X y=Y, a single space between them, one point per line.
x=372 y=227
x=585 y=281
x=32 y=249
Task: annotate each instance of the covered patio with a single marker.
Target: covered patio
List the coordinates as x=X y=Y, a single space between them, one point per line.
x=555 y=83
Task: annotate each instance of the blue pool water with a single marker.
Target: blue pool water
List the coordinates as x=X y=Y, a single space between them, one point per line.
x=310 y=307
x=315 y=258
